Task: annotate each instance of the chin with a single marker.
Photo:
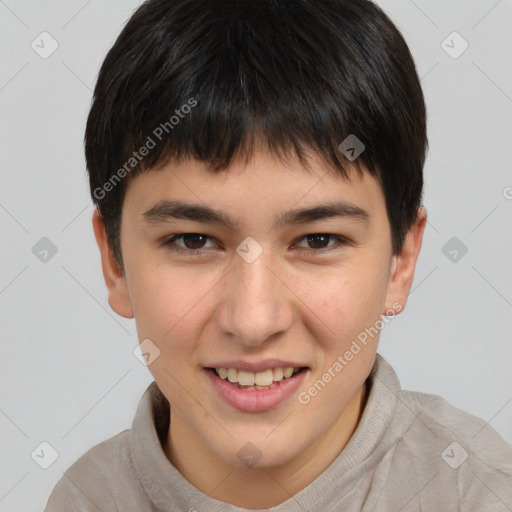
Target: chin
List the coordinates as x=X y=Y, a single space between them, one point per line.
x=254 y=454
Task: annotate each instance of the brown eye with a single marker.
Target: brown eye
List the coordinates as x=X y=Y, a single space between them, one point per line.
x=194 y=240
x=190 y=243
x=318 y=241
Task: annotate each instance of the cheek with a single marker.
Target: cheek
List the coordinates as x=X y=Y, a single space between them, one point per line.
x=339 y=308
x=168 y=303
x=169 y=312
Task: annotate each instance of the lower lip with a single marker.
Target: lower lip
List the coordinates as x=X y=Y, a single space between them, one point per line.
x=257 y=400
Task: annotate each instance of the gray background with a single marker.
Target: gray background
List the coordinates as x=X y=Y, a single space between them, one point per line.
x=69 y=376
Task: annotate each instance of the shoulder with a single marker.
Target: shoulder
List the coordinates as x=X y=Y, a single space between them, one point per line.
x=93 y=480
x=446 y=422
x=461 y=453
x=106 y=477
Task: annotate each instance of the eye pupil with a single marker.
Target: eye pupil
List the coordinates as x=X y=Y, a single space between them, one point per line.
x=197 y=240
x=324 y=239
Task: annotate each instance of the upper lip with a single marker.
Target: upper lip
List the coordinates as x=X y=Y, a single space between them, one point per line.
x=255 y=367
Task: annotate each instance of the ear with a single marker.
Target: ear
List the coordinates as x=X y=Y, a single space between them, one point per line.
x=118 y=296
x=403 y=265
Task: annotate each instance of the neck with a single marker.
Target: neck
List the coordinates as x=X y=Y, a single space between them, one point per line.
x=255 y=488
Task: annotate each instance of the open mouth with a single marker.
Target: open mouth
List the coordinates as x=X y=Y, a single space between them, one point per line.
x=257 y=381
x=255 y=392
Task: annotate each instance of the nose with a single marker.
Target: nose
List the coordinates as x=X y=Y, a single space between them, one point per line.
x=256 y=305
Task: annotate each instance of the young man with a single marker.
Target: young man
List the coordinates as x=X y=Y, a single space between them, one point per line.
x=257 y=171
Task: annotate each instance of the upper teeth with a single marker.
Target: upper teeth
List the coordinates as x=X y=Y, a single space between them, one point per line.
x=264 y=378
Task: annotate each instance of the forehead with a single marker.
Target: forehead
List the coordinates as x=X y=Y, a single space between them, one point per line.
x=260 y=187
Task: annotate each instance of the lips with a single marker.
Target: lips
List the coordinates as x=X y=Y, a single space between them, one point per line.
x=255 y=398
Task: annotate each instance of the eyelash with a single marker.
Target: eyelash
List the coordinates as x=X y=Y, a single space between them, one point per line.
x=169 y=243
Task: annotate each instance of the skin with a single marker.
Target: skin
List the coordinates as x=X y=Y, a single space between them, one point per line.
x=296 y=302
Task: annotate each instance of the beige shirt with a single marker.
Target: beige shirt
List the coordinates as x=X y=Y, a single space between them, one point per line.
x=410 y=452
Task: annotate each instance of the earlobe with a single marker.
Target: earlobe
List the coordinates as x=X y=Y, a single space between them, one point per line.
x=118 y=295
x=403 y=266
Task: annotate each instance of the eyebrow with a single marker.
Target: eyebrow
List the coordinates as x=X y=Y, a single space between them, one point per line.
x=168 y=210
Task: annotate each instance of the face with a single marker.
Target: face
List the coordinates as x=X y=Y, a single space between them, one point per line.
x=264 y=267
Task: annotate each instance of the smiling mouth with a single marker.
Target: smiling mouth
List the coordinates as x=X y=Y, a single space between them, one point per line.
x=256 y=381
